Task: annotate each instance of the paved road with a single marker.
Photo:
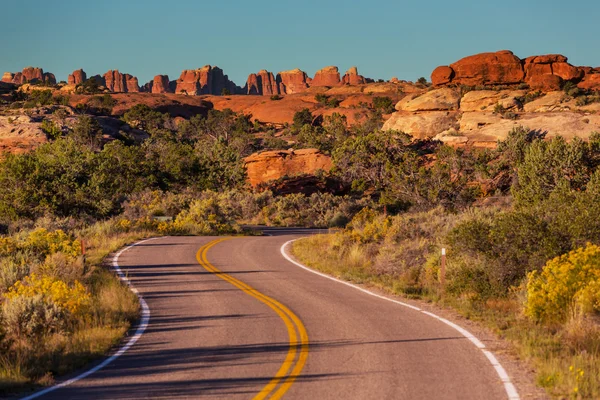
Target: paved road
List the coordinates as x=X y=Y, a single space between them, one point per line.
x=222 y=330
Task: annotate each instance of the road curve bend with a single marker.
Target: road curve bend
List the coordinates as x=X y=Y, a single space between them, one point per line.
x=232 y=318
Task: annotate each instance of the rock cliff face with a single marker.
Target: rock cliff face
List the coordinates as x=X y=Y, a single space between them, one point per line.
x=77 y=77
x=8 y=77
x=270 y=165
x=262 y=83
x=328 y=76
x=351 y=77
x=293 y=81
x=121 y=83
x=546 y=72
x=161 y=84
x=205 y=80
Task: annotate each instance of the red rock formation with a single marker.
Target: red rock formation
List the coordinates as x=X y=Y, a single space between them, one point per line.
x=31 y=74
x=351 y=77
x=8 y=77
x=545 y=82
x=131 y=84
x=160 y=84
x=442 y=75
x=121 y=83
x=498 y=68
x=293 y=81
x=551 y=64
x=262 y=83
x=77 y=77
x=328 y=76
x=591 y=81
x=205 y=80
x=271 y=165
x=49 y=78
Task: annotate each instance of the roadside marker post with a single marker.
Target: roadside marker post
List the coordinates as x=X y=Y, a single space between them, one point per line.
x=443 y=271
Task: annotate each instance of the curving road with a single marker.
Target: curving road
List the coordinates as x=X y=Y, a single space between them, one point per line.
x=234 y=319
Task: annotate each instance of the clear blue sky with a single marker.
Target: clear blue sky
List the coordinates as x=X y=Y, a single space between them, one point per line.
x=383 y=38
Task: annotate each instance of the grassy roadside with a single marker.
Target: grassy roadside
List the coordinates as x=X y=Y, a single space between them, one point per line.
x=51 y=344
x=566 y=357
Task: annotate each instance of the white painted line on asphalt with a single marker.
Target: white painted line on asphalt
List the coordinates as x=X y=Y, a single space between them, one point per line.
x=510 y=389
x=138 y=333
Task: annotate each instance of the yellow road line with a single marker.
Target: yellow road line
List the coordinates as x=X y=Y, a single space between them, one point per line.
x=292 y=323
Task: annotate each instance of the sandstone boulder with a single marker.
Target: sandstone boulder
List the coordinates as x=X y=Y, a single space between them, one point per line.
x=499 y=68
x=552 y=101
x=443 y=99
x=20 y=134
x=590 y=82
x=479 y=100
x=442 y=75
x=488 y=127
x=421 y=125
x=545 y=83
x=551 y=64
x=77 y=77
x=328 y=76
x=351 y=77
x=271 y=165
x=293 y=81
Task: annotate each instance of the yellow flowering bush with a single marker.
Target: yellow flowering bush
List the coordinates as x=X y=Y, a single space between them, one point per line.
x=571 y=281
x=369 y=226
x=46 y=243
x=74 y=298
x=7 y=246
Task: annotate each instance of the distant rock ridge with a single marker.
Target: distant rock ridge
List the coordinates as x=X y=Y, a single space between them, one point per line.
x=544 y=72
x=29 y=75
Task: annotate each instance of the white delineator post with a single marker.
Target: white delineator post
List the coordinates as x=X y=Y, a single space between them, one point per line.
x=443 y=271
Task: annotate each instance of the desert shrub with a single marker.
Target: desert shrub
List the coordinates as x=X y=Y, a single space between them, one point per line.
x=302 y=117
x=31 y=317
x=44 y=243
x=567 y=283
x=384 y=104
x=39 y=98
x=205 y=217
x=51 y=129
x=276 y=97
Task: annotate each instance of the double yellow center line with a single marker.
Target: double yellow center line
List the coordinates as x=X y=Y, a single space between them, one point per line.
x=298 y=349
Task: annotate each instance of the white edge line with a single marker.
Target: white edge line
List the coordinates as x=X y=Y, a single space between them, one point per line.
x=510 y=389
x=138 y=333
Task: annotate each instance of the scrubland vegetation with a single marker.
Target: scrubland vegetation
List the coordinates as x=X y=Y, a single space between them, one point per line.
x=523 y=262
x=521 y=224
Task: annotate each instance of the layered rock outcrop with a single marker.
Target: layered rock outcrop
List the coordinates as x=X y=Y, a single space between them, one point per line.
x=262 y=83
x=271 y=165
x=351 y=77
x=544 y=72
x=205 y=80
x=77 y=77
x=293 y=81
x=498 y=68
x=328 y=76
x=120 y=83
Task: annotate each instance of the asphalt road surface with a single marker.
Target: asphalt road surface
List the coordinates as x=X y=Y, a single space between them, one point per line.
x=233 y=319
